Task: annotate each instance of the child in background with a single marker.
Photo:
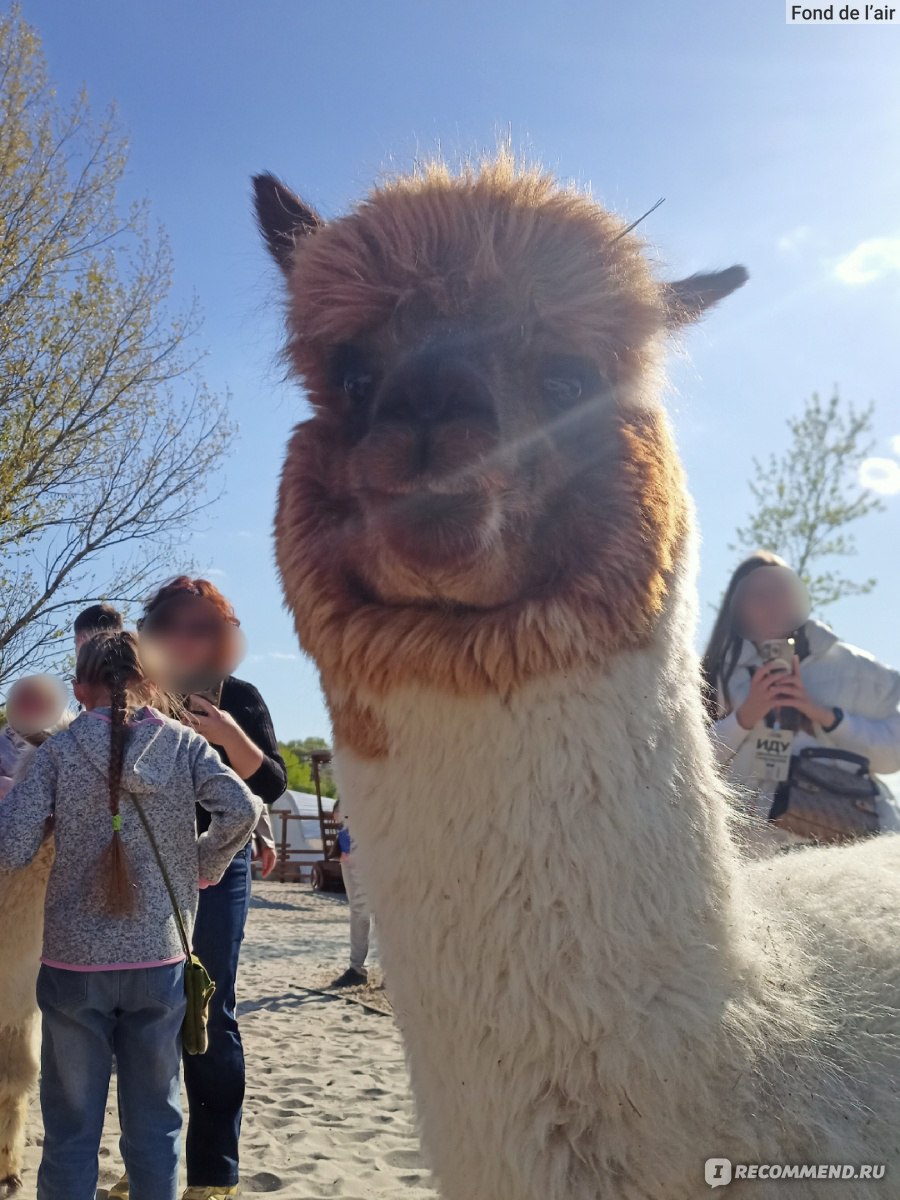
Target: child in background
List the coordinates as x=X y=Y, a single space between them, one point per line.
x=34 y=705
x=111 y=979
x=360 y=914
x=97 y=618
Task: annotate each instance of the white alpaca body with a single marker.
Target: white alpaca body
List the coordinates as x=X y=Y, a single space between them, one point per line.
x=595 y=997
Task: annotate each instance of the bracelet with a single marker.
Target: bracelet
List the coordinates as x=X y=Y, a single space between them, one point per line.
x=838 y=717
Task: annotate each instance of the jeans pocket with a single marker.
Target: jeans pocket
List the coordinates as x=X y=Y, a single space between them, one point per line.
x=59 y=989
x=165 y=984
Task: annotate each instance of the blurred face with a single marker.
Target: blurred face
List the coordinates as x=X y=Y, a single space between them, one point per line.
x=30 y=699
x=35 y=704
x=770 y=602
x=189 y=633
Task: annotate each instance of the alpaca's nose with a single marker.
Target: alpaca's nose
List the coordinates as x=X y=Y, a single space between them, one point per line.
x=431 y=388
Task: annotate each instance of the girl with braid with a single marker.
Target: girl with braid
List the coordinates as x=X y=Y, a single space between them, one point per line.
x=111 y=980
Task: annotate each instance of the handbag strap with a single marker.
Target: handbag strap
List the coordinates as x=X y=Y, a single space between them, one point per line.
x=182 y=932
x=827 y=752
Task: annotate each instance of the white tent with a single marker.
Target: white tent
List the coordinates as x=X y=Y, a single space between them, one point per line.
x=300 y=823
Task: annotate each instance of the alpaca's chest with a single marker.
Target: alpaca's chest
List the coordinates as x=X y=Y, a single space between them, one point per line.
x=525 y=833
x=472 y=783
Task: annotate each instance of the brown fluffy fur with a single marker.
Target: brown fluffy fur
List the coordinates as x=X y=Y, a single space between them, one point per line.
x=502 y=245
x=518 y=268
x=364 y=644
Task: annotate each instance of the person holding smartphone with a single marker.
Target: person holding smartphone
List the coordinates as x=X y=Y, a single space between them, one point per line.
x=191 y=630
x=778 y=682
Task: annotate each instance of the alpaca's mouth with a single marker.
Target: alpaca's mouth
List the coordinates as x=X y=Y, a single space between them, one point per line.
x=433 y=529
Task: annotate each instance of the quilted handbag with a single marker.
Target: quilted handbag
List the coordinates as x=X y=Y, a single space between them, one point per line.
x=829 y=796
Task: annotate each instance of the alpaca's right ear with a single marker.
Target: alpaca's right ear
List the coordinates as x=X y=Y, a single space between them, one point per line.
x=283 y=217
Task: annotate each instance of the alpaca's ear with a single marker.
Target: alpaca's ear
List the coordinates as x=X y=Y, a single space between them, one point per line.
x=283 y=217
x=687 y=299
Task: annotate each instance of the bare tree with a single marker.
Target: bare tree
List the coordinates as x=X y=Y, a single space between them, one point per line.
x=807 y=496
x=108 y=437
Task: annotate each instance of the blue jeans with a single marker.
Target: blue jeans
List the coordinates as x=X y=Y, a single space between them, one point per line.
x=88 y=1016
x=214 y=1081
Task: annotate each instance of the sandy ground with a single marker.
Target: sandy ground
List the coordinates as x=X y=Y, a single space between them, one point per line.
x=328 y=1110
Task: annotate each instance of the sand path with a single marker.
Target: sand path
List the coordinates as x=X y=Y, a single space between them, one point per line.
x=328 y=1111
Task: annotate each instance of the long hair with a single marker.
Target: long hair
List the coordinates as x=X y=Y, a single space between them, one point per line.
x=112 y=661
x=724 y=646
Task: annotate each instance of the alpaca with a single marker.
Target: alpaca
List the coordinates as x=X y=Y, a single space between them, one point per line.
x=22 y=905
x=484 y=536
x=22 y=895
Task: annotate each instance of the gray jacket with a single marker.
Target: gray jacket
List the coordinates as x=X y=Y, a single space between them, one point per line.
x=169 y=767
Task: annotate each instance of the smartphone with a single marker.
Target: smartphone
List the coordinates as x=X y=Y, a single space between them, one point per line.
x=780 y=652
x=213 y=694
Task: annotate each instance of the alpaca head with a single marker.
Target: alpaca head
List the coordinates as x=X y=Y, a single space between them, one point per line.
x=482 y=353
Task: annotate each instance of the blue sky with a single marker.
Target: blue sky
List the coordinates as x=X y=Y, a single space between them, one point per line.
x=774 y=146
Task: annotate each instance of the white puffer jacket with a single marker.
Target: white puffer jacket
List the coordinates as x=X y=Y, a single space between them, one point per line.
x=835 y=675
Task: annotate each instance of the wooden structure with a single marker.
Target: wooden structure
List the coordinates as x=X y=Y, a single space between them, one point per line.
x=322 y=864
x=326 y=874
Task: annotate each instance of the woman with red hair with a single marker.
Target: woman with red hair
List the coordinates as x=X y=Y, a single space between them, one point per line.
x=193 y=629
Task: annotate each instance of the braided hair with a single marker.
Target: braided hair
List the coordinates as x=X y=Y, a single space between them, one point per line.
x=112 y=661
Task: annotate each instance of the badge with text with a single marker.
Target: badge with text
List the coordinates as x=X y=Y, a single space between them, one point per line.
x=772 y=755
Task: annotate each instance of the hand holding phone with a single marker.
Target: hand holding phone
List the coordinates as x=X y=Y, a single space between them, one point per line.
x=779 y=654
x=212 y=695
x=766 y=692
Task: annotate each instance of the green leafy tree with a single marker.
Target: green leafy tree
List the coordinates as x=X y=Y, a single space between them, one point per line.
x=108 y=437
x=296 y=756
x=808 y=495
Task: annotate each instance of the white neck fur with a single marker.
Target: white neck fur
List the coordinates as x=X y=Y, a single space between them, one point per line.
x=551 y=875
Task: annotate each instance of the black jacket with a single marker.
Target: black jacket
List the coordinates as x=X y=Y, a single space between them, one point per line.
x=243 y=702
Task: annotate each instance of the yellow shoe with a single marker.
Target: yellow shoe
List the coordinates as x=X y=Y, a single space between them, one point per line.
x=119 y=1191
x=211 y=1193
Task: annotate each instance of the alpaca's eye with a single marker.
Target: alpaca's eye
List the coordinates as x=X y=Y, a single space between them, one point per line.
x=351 y=372
x=567 y=379
x=358 y=384
x=563 y=389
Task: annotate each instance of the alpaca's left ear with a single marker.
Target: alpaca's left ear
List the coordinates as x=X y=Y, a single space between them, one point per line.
x=687 y=299
x=283 y=217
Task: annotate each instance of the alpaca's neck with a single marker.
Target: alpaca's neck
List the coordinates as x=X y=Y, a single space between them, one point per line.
x=554 y=891
x=583 y=811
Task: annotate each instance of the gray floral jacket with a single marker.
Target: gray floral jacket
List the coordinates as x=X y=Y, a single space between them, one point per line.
x=65 y=789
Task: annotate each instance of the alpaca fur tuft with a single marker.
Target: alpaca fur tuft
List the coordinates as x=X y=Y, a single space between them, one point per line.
x=485 y=540
x=22 y=895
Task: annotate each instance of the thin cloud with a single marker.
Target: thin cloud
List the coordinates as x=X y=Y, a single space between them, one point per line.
x=794 y=240
x=216 y=572
x=895 y=443
x=881 y=475
x=281 y=656
x=869 y=261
